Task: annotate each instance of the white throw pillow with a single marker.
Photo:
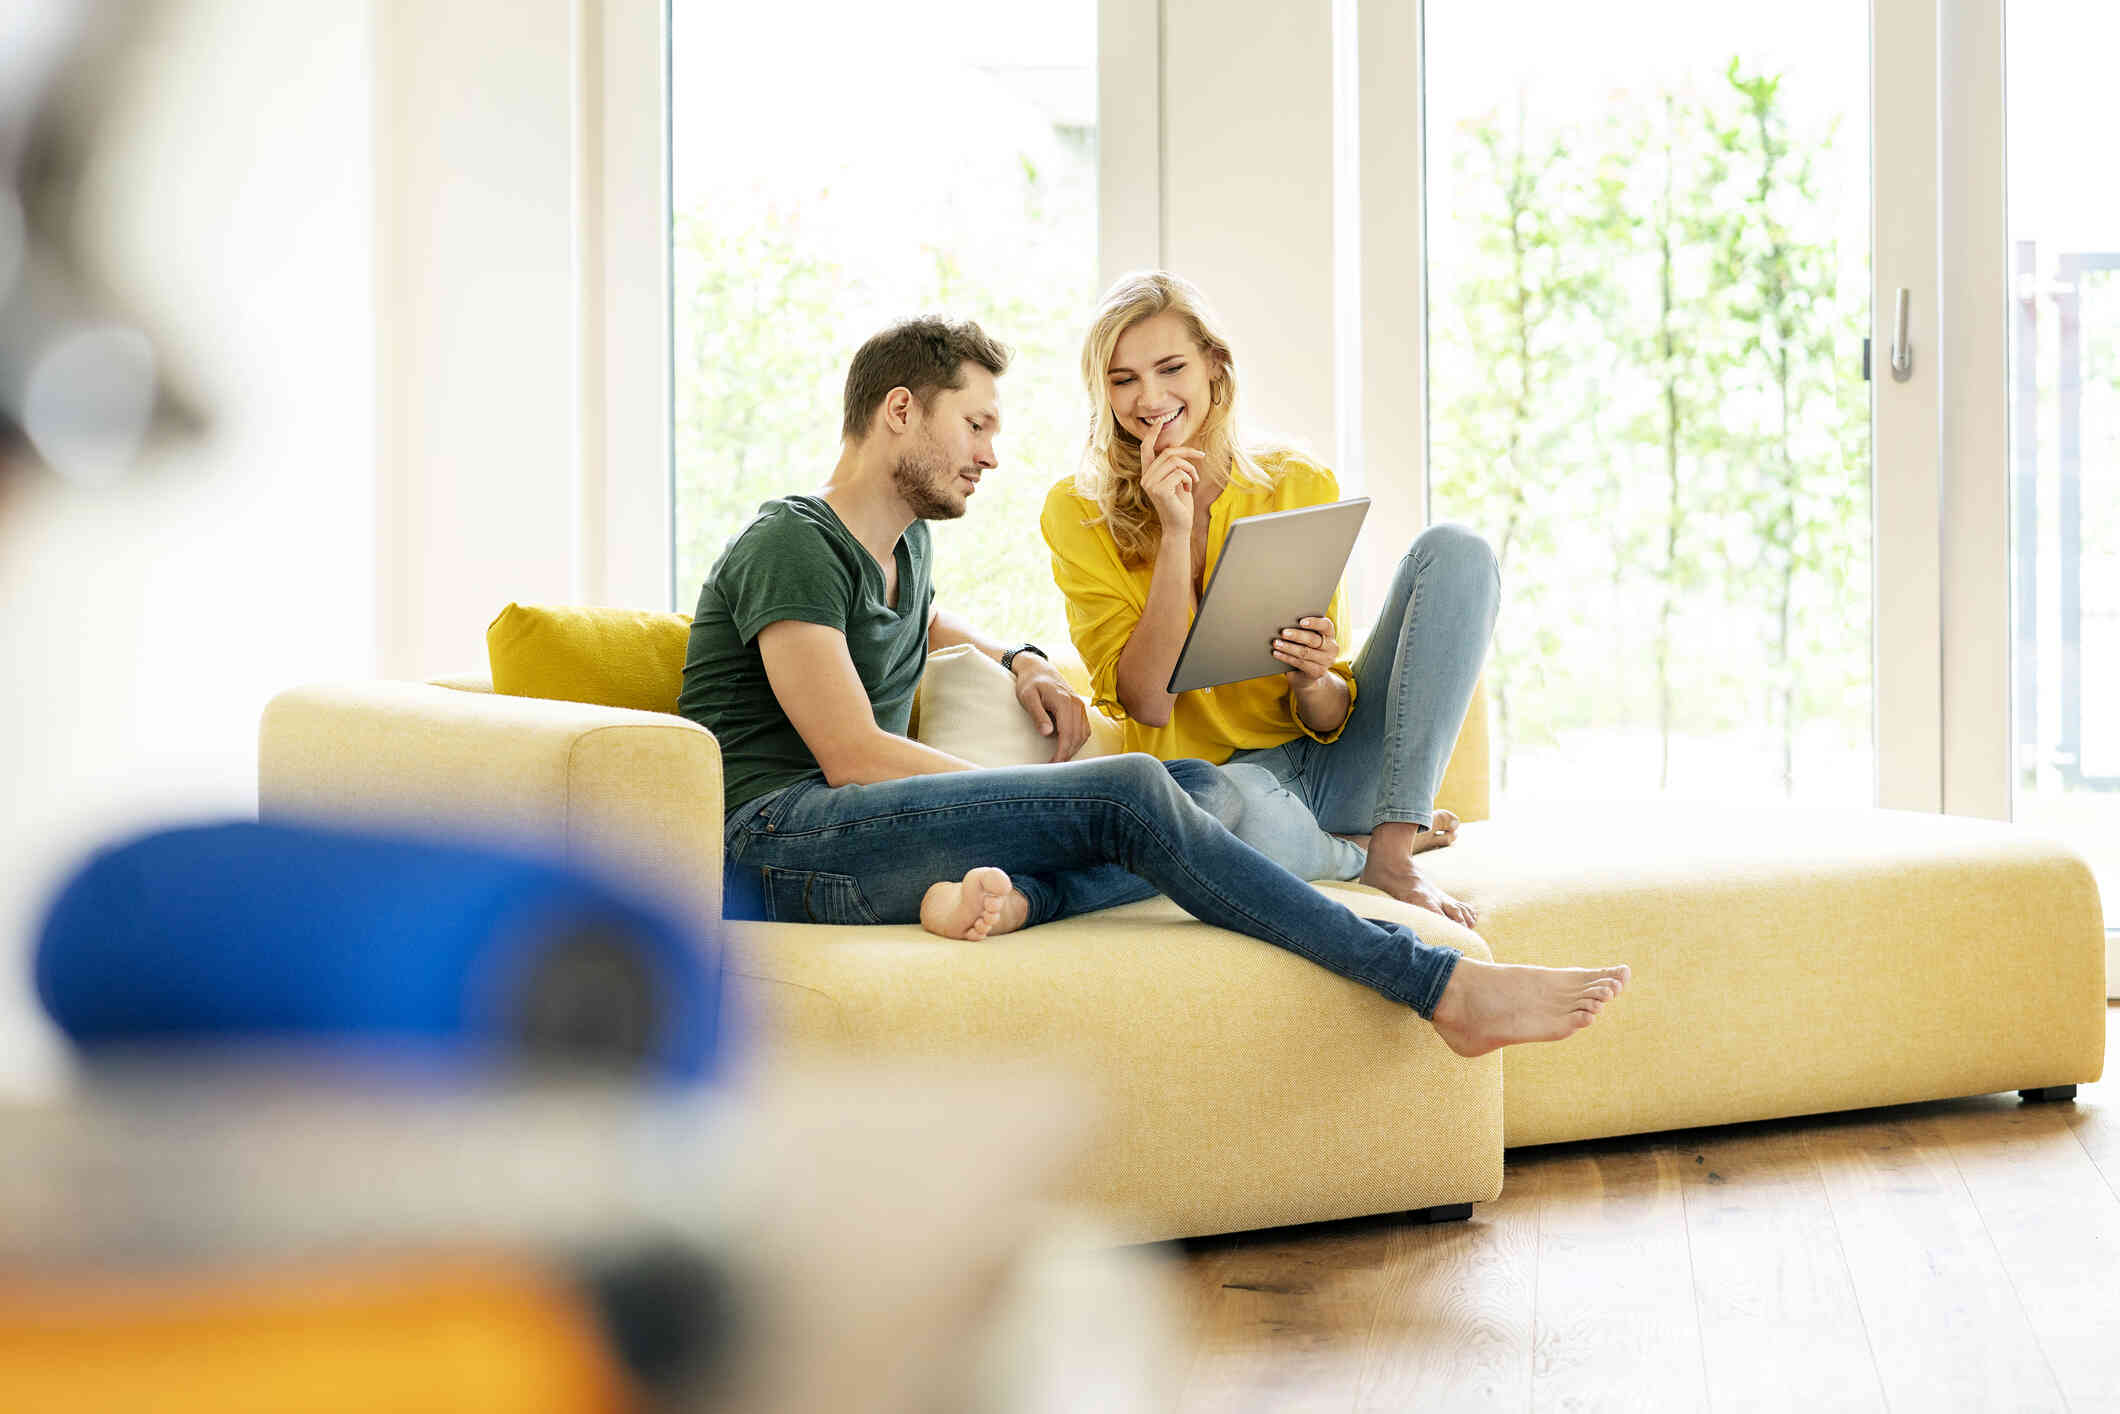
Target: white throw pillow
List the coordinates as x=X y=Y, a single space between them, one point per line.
x=967 y=707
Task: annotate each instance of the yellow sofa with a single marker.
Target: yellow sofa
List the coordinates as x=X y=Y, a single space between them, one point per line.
x=1785 y=963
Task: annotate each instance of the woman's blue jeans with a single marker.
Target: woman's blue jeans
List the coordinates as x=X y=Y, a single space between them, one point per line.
x=1074 y=837
x=1414 y=680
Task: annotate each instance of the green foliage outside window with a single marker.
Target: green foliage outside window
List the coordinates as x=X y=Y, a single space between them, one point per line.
x=765 y=332
x=1645 y=393
x=1648 y=395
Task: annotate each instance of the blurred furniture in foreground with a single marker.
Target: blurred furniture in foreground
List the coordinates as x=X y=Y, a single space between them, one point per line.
x=279 y=1230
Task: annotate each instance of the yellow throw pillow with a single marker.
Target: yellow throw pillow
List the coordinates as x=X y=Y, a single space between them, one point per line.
x=612 y=657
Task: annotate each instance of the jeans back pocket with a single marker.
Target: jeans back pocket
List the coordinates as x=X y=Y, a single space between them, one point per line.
x=807 y=896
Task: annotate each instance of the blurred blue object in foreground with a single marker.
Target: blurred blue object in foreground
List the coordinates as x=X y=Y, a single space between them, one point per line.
x=246 y=932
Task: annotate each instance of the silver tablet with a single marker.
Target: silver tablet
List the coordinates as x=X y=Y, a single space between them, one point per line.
x=1275 y=569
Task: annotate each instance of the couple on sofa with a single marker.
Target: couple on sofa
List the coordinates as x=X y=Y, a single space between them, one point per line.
x=815 y=624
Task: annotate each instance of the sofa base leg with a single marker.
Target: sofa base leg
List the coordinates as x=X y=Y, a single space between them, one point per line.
x=1442 y=1213
x=2048 y=1092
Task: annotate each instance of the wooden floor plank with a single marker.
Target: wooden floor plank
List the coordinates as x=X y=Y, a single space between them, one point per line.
x=2097 y=1129
x=2056 y=1225
x=1944 y=1326
x=1455 y=1331
x=2094 y=1118
x=1769 y=1277
x=1969 y=1250
x=1281 y=1320
x=1616 y=1324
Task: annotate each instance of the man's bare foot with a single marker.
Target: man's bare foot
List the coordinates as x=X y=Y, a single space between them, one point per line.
x=984 y=905
x=1393 y=872
x=1440 y=834
x=1488 y=1005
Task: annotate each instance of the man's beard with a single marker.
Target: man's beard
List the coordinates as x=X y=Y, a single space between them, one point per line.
x=920 y=479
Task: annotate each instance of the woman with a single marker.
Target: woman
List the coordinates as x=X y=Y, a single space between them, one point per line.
x=1338 y=761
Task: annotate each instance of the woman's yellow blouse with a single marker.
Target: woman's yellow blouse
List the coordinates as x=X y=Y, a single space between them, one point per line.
x=1105 y=598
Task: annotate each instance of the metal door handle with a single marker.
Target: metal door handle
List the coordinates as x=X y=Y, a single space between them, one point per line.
x=1902 y=350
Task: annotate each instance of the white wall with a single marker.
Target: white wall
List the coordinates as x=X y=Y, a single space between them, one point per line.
x=147 y=625
x=475 y=146
x=1248 y=196
x=522 y=358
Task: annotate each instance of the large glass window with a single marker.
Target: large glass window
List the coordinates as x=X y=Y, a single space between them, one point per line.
x=1648 y=285
x=837 y=166
x=2064 y=230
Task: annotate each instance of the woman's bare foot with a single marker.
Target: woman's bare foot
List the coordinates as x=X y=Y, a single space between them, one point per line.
x=1488 y=1005
x=1393 y=872
x=984 y=905
x=1440 y=834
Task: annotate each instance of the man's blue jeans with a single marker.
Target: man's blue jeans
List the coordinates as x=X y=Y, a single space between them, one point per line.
x=1075 y=837
x=1414 y=680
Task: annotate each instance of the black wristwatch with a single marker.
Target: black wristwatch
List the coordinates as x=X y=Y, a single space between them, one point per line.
x=1008 y=659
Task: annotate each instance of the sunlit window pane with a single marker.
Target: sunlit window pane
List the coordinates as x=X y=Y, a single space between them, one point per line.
x=837 y=166
x=1648 y=289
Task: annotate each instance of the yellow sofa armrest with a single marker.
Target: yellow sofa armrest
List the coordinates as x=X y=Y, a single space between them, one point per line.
x=636 y=794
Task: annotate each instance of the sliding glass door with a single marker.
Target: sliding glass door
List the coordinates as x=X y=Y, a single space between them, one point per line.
x=1648 y=277
x=1670 y=254
x=2064 y=418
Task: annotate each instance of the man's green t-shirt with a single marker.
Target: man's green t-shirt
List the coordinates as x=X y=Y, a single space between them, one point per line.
x=797 y=560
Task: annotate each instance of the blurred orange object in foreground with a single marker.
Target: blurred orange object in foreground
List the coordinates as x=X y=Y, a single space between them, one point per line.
x=459 y=1333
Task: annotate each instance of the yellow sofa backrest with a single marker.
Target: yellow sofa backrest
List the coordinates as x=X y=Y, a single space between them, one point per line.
x=636 y=658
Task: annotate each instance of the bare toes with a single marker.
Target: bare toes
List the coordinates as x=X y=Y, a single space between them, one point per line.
x=967 y=911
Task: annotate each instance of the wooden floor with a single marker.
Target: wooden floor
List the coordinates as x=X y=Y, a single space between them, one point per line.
x=1957 y=1255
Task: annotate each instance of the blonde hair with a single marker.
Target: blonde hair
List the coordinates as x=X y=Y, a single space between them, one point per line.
x=1110 y=476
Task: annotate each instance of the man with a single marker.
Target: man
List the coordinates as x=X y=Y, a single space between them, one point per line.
x=810 y=638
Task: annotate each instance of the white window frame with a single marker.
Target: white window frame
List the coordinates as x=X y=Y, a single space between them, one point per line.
x=1974 y=417
x=1130 y=127
x=1906 y=508
x=625 y=524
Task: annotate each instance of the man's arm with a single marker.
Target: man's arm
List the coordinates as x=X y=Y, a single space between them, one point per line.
x=947 y=630
x=1044 y=694
x=814 y=680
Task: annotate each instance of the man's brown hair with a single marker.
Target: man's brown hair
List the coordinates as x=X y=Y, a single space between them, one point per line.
x=922 y=356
